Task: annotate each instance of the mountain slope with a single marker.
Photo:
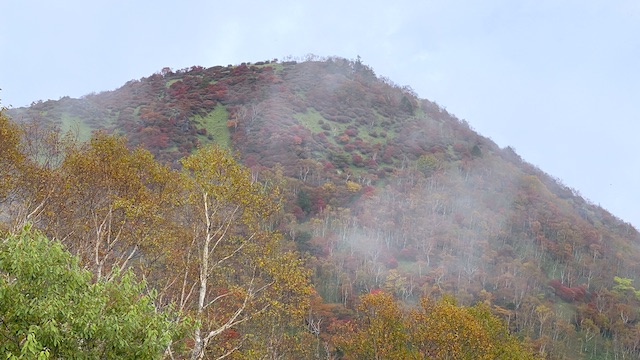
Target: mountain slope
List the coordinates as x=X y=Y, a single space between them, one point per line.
x=389 y=191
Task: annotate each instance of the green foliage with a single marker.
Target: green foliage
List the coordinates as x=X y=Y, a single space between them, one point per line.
x=303 y=201
x=50 y=307
x=460 y=214
x=475 y=151
x=623 y=285
x=339 y=159
x=428 y=164
x=170 y=82
x=406 y=105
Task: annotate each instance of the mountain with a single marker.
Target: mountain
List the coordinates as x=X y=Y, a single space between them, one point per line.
x=387 y=191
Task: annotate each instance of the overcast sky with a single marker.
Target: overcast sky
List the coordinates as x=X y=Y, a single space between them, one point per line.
x=557 y=80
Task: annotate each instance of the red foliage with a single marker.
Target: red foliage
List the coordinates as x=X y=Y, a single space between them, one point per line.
x=357 y=160
x=568 y=294
x=319 y=205
x=368 y=190
x=372 y=164
x=351 y=132
x=298 y=212
x=408 y=254
x=391 y=262
x=328 y=166
x=343 y=139
x=230 y=334
x=389 y=152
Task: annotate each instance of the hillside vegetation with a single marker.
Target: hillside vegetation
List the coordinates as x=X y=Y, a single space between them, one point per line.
x=339 y=184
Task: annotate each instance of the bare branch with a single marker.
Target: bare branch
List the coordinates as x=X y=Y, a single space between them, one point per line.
x=227 y=223
x=217 y=298
x=230 y=322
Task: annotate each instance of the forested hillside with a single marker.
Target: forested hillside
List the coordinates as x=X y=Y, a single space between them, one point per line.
x=297 y=208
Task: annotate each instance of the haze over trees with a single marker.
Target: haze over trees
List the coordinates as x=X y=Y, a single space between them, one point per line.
x=295 y=209
x=200 y=237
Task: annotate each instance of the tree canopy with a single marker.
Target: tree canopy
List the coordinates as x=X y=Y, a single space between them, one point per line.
x=434 y=330
x=51 y=308
x=338 y=183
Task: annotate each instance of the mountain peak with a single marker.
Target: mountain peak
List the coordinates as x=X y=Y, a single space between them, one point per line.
x=387 y=190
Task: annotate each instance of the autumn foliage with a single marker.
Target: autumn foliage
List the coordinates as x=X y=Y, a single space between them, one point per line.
x=435 y=330
x=240 y=191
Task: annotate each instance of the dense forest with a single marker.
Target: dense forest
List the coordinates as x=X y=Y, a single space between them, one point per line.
x=296 y=209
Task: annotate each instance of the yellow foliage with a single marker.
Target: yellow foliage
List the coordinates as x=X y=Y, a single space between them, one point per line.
x=229 y=215
x=328 y=187
x=435 y=330
x=353 y=186
x=11 y=156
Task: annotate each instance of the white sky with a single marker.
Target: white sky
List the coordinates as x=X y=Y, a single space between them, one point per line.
x=559 y=80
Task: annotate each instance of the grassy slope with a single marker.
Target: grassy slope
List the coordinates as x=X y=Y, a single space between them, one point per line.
x=76 y=126
x=446 y=187
x=216 y=125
